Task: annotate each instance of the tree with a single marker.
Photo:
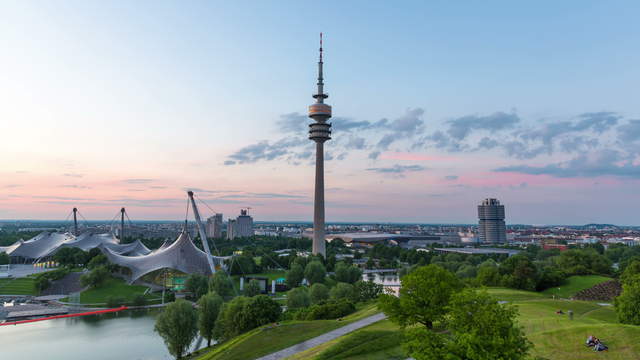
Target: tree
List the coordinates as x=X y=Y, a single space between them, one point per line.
x=550 y=276
x=584 y=262
x=197 y=285
x=630 y=271
x=70 y=256
x=519 y=273
x=318 y=293
x=295 y=275
x=315 y=272
x=241 y=265
x=178 y=327
x=343 y=291
x=466 y=271
x=628 y=303
x=252 y=289
x=243 y=314
x=96 y=277
x=298 y=298
x=478 y=328
x=423 y=296
x=367 y=290
x=221 y=284
x=4 y=258
x=98 y=260
x=488 y=275
x=347 y=273
x=208 y=310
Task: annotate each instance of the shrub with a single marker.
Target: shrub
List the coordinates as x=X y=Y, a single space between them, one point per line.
x=114 y=302
x=329 y=310
x=169 y=296
x=139 y=300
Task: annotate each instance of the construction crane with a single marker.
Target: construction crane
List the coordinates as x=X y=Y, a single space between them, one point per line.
x=203 y=234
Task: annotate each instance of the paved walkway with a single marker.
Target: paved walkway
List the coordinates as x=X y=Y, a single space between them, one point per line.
x=318 y=340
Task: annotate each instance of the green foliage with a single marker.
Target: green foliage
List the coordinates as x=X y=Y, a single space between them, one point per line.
x=488 y=276
x=139 y=300
x=584 y=262
x=96 y=277
x=242 y=265
x=169 y=296
x=98 y=260
x=295 y=275
x=367 y=290
x=423 y=296
x=630 y=271
x=518 y=272
x=41 y=283
x=326 y=311
x=178 y=327
x=243 y=314
x=478 y=328
x=550 y=276
x=115 y=301
x=315 y=272
x=343 y=291
x=347 y=273
x=298 y=298
x=466 y=272
x=628 y=303
x=4 y=258
x=209 y=307
x=252 y=288
x=221 y=284
x=318 y=293
x=70 y=256
x=197 y=285
x=360 y=343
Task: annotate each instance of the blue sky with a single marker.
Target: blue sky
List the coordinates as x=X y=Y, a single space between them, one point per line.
x=531 y=103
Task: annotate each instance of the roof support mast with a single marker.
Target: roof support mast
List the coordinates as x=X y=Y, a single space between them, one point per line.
x=203 y=234
x=122 y=224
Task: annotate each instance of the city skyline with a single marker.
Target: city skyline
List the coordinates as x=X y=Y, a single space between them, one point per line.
x=431 y=118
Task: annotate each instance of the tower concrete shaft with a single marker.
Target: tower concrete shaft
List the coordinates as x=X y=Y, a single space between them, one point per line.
x=319 y=131
x=122 y=224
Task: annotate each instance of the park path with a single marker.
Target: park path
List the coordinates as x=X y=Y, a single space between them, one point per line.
x=319 y=340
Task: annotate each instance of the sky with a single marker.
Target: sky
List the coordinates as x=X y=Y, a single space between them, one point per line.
x=437 y=105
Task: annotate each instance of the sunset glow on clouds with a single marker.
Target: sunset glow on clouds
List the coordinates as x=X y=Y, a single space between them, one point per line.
x=131 y=104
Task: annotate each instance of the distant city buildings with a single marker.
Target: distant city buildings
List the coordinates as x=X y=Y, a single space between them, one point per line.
x=214 y=226
x=242 y=226
x=491 y=226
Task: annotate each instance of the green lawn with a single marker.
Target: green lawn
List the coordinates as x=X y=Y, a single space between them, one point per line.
x=21 y=286
x=573 y=284
x=113 y=287
x=555 y=337
x=265 y=340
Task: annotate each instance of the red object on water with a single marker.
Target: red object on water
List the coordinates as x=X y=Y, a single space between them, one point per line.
x=67 y=316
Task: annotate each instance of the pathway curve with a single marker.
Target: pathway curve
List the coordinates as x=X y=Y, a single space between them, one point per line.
x=319 y=340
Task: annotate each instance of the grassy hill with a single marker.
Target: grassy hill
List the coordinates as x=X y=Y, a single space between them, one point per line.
x=555 y=337
x=21 y=286
x=573 y=284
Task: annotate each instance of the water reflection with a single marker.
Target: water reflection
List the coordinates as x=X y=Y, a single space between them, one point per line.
x=122 y=335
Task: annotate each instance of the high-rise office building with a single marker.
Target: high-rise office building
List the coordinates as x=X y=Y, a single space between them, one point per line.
x=319 y=132
x=214 y=226
x=232 y=229
x=491 y=226
x=244 y=224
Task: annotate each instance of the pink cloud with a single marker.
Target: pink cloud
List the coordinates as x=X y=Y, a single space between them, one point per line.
x=396 y=155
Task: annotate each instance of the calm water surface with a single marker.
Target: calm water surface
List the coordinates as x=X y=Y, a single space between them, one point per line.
x=124 y=335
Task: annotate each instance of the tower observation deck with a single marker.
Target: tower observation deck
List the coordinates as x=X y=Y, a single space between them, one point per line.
x=319 y=132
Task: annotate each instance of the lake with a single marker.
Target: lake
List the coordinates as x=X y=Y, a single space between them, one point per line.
x=124 y=335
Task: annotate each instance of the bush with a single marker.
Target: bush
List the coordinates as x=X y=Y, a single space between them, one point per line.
x=243 y=314
x=327 y=311
x=169 y=296
x=139 y=300
x=114 y=302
